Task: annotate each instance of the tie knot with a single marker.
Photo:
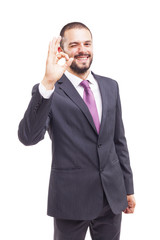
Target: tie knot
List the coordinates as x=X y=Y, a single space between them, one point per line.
x=85 y=84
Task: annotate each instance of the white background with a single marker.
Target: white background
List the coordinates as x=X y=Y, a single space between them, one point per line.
x=126 y=48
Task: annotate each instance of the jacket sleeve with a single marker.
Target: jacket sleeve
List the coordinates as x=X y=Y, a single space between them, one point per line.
x=122 y=149
x=36 y=119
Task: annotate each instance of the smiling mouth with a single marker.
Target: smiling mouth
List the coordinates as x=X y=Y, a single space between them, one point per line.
x=82 y=57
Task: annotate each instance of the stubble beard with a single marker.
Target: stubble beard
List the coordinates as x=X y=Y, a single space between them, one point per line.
x=75 y=68
x=81 y=69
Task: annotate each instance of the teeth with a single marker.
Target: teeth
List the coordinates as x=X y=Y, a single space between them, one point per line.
x=82 y=58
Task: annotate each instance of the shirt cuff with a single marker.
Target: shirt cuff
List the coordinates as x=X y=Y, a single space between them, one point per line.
x=44 y=92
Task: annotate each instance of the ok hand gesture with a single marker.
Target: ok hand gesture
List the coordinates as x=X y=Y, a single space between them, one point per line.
x=54 y=71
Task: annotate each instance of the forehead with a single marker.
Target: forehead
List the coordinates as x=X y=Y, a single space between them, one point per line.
x=77 y=35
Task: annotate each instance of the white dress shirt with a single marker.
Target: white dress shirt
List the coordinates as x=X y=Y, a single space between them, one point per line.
x=76 y=83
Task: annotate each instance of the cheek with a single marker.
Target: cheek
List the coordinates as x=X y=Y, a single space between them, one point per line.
x=71 y=52
x=91 y=51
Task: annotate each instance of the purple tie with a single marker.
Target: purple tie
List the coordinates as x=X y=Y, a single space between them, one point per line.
x=88 y=98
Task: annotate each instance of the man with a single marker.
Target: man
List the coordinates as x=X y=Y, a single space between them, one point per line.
x=91 y=179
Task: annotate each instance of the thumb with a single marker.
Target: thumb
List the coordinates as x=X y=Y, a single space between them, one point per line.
x=69 y=62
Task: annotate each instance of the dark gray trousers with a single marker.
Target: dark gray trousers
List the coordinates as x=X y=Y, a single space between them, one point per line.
x=105 y=227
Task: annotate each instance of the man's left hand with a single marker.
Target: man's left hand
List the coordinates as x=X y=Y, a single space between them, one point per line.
x=131 y=204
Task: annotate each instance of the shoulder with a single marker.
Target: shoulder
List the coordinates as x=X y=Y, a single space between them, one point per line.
x=109 y=81
x=35 y=88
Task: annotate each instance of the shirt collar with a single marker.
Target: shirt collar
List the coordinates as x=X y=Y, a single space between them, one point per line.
x=76 y=80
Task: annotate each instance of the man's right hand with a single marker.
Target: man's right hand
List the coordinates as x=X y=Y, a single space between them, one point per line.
x=54 y=71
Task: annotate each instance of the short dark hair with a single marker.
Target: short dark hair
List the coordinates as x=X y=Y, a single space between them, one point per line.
x=69 y=26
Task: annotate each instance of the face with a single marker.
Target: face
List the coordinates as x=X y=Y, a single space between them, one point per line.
x=78 y=44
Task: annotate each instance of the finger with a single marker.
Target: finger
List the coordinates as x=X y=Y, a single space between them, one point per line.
x=130 y=210
x=69 y=62
x=131 y=204
x=51 y=50
x=54 y=45
x=127 y=210
x=57 y=43
x=62 y=55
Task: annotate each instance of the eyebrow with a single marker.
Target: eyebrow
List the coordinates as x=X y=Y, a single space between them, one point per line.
x=88 y=41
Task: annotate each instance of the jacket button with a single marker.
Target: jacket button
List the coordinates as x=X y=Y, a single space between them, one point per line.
x=99 y=145
x=101 y=170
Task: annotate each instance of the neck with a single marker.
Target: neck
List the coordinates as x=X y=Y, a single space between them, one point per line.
x=80 y=75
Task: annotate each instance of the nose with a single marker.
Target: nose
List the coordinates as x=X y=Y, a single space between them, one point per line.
x=81 y=48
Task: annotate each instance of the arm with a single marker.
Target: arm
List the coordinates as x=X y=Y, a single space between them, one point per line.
x=33 y=126
x=123 y=155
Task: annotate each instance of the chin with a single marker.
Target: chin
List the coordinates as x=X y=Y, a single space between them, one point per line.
x=80 y=68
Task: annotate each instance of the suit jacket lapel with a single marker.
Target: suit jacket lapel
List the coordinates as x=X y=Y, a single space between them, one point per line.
x=105 y=101
x=72 y=93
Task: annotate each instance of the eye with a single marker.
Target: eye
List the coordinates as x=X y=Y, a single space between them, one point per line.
x=87 y=44
x=73 y=45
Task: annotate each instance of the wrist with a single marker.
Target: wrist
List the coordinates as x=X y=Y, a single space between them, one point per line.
x=49 y=85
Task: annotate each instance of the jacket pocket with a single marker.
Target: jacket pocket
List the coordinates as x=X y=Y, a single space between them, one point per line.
x=69 y=170
x=115 y=161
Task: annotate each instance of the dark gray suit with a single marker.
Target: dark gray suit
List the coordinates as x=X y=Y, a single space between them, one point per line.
x=85 y=164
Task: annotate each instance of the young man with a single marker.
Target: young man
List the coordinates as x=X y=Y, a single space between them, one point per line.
x=91 y=179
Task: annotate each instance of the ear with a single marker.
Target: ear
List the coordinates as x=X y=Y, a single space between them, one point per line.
x=60 y=49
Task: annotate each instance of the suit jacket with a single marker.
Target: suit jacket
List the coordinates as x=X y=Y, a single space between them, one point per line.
x=84 y=163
